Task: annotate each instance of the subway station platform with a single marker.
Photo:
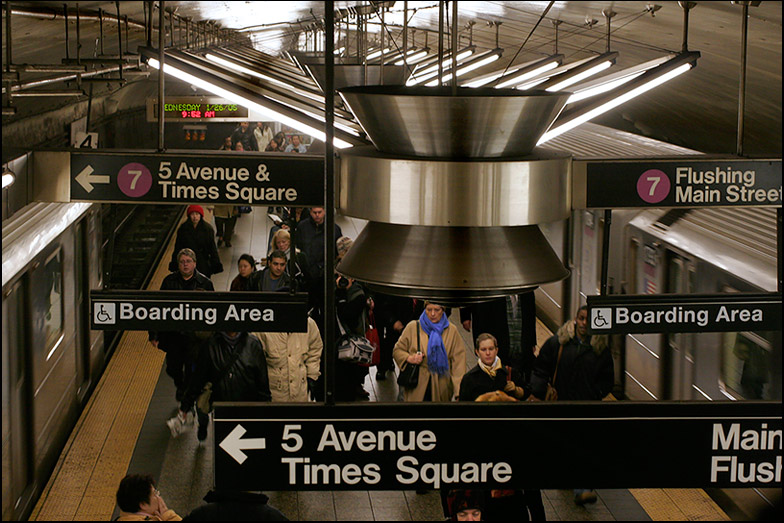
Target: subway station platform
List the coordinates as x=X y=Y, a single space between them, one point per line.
x=122 y=430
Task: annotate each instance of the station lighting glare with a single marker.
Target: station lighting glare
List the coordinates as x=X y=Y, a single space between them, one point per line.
x=376 y=54
x=339 y=50
x=242 y=69
x=399 y=56
x=431 y=64
x=8 y=178
x=475 y=63
x=533 y=70
x=487 y=78
x=414 y=58
x=642 y=84
x=569 y=74
x=241 y=100
x=581 y=76
x=614 y=80
x=429 y=72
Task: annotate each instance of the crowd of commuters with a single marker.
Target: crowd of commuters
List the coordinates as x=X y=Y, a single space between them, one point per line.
x=287 y=367
x=261 y=138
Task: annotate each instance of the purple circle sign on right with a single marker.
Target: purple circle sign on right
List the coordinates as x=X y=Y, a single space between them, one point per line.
x=653 y=186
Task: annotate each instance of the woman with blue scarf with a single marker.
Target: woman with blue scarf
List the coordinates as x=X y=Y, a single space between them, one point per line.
x=439 y=352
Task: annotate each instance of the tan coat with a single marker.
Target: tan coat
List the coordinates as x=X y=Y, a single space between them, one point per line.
x=442 y=388
x=292 y=357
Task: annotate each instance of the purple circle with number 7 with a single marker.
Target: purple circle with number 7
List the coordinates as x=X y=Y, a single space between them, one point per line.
x=653 y=186
x=134 y=180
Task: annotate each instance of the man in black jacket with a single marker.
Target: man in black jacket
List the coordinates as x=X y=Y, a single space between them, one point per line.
x=244 y=135
x=181 y=347
x=229 y=505
x=235 y=365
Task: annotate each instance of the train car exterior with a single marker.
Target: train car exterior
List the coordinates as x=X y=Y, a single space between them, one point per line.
x=50 y=358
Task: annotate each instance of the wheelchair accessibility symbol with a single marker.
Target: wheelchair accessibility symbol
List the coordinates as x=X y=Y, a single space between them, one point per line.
x=104 y=313
x=601 y=318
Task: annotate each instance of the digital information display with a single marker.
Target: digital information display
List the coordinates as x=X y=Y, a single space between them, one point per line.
x=196 y=108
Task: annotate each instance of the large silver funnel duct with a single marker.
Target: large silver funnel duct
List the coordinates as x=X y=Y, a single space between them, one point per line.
x=431 y=122
x=348 y=75
x=452 y=265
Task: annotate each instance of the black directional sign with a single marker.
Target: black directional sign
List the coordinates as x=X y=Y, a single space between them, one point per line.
x=180 y=177
x=624 y=314
x=493 y=445
x=199 y=311
x=685 y=182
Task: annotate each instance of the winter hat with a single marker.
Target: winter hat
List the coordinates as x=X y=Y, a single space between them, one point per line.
x=195 y=208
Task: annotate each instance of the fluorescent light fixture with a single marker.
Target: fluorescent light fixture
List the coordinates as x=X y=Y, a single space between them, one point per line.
x=429 y=72
x=525 y=75
x=642 y=84
x=475 y=63
x=8 y=178
x=614 y=80
x=580 y=76
x=376 y=54
x=242 y=69
x=398 y=57
x=487 y=78
x=414 y=58
x=339 y=50
x=565 y=75
x=265 y=111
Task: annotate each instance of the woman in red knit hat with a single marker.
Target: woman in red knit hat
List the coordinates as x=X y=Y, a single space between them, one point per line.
x=199 y=236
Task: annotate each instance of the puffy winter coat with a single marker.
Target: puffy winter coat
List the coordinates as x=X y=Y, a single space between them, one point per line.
x=585 y=371
x=246 y=379
x=442 y=388
x=292 y=358
x=201 y=239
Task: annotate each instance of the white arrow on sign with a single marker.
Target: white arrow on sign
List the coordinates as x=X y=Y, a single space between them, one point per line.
x=86 y=178
x=234 y=446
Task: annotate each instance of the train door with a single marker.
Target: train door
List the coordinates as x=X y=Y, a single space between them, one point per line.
x=678 y=351
x=17 y=408
x=81 y=312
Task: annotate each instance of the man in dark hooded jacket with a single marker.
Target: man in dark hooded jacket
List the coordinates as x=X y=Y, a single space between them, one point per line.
x=230 y=505
x=199 y=236
x=583 y=370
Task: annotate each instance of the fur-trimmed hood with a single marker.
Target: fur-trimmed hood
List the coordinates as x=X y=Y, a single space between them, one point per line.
x=566 y=333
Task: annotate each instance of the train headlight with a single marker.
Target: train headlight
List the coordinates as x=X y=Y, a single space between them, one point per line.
x=8 y=177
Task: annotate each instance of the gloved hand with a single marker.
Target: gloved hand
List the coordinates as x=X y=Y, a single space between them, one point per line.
x=311 y=385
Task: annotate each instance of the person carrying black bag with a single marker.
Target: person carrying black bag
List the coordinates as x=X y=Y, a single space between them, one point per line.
x=234 y=366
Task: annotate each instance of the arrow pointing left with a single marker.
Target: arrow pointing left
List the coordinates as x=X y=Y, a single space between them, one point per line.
x=234 y=445
x=86 y=178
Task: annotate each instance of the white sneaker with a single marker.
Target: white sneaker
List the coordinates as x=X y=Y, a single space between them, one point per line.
x=175 y=426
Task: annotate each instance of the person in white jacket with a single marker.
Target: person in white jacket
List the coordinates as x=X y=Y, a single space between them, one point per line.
x=263 y=134
x=293 y=362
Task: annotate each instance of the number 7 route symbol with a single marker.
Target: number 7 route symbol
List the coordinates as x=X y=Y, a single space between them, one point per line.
x=653 y=186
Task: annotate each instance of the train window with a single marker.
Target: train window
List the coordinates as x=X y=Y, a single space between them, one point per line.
x=746 y=364
x=631 y=278
x=675 y=275
x=53 y=319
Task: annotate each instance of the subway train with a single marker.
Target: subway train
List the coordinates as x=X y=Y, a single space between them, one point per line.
x=675 y=251
x=51 y=358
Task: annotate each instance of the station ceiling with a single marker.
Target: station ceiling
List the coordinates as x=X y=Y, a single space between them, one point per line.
x=698 y=109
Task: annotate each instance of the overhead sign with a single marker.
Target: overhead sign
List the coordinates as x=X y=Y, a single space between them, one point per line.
x=662 y=313
x=687 y=182
x=424 y=446
x=199 y=311
x=229 y=178
x=198 y=108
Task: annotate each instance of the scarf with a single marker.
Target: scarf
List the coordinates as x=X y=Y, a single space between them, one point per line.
x=492 y=369
x=437 y=361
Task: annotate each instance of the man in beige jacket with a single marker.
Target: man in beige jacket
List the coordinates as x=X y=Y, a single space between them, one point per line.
x=293 y=359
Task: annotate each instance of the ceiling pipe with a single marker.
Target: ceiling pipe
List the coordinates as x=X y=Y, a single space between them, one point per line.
x=454 y=47
x=44 y=13
x=15 y=88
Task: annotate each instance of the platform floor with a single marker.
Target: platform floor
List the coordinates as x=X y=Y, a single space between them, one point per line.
x=122 y=430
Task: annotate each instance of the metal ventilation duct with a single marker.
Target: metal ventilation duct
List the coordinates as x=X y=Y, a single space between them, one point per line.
x=455 y=195
x=475 y=123
x=452 y=265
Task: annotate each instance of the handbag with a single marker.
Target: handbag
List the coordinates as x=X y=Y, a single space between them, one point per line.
x=409 y=373
x=353 y=348
x=203 y=401
x=244 y=209
x=371 y=334
x=552 y=394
